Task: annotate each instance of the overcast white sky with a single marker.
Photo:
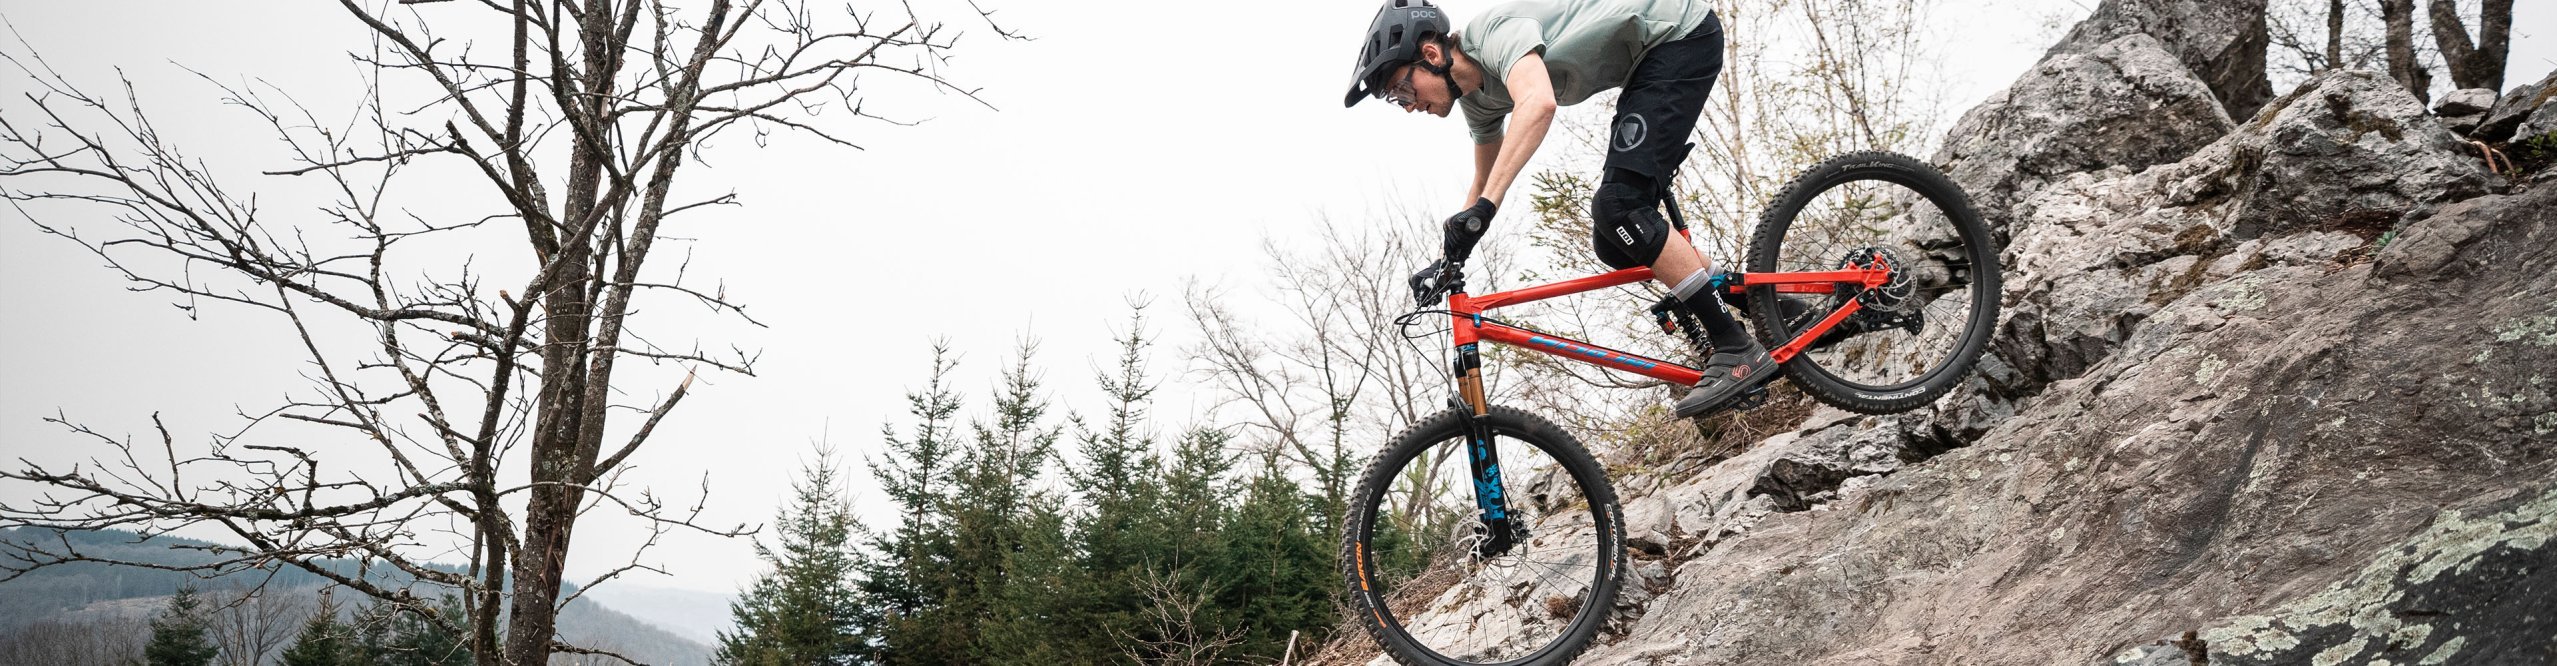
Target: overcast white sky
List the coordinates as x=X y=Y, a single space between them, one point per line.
x=1126 y=157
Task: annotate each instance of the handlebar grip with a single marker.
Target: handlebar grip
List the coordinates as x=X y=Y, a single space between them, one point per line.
x=1424 y=283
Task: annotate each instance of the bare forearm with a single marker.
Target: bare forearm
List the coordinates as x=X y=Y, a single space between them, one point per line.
x=1526 y=132
x=1485 y=154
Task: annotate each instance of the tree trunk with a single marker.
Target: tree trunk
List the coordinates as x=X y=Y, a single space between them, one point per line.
x=2399 y=15
x=2334 y=34
x=550 y=515
x=2478 y=64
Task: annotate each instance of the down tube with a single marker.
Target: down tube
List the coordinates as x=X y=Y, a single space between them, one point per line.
x=1591 y=354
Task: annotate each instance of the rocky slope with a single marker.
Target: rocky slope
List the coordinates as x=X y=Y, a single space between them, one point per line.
x=2277 y=388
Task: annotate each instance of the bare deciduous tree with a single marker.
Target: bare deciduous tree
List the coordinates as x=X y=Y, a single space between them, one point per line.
x=250 y=625
x=1325 y=387
x=1177 y=634
x=114 y=639
x=573 y=131
x=1804 y=80
x=2313 y=36
x=2478 y=63
x=2404 y=64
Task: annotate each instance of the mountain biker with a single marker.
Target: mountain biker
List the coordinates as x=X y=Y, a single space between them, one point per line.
x=1519 y=61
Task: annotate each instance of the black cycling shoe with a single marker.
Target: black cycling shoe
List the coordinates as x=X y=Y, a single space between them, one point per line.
x=1727 y=375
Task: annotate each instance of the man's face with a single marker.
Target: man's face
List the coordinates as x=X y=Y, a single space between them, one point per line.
x=1416 y=89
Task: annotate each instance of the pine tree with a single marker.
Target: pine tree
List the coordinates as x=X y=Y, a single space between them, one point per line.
x=1274 y=573
x=1039 y=618
x=324 y=641
x=989 y=508
x=388 y=635
x=1172 y=590
x=177 y=635
x=908 y=580
x=804 y=612
x=1118 y=482
x=1194 y=491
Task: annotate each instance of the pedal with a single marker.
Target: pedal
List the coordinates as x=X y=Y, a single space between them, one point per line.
x=1753 y=399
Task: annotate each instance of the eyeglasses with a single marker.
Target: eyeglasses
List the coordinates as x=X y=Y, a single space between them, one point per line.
x=1402 y=93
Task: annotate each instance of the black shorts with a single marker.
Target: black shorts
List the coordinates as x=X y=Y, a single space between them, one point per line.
x=1661 y=100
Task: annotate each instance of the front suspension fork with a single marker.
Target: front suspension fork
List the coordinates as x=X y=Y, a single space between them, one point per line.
x=1483 y=458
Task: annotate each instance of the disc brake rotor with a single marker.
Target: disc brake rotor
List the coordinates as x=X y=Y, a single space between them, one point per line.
x=1896 y=290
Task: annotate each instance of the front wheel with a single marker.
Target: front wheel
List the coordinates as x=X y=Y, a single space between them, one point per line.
x=1436 y=589
x=1911 y=339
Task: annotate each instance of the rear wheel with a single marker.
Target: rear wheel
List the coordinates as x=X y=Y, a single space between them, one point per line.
x=1414 y=551
x=1913 y=338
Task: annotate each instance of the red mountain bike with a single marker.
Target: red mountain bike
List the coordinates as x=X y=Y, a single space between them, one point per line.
x=1487 y=535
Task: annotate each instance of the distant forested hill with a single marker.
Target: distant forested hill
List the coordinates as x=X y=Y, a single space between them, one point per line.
x=90 y=613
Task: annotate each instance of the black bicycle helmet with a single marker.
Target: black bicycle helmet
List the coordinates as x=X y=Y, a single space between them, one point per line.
x=1392 y=40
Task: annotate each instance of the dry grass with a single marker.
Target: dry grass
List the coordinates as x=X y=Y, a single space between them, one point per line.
x=1414 y=595
x=1660 y=440
x=1562 y=608
x=2372 y=226
x=1348 y=645
x=1350 y=642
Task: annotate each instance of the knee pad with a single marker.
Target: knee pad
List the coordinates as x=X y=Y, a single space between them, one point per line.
x=1626 y=229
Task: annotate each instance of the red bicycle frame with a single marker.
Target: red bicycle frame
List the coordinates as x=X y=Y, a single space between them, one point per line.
x=1470 y=327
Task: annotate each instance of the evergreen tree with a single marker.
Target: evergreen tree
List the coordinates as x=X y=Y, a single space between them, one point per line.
x=388 y=635
x=324 y=640
x=1039 y=618
x=177 y=635
x=804 y=612
x=990 y=507
x=1194 y=490
x=1117 y=532
x=1275 y=571
x=908 y=580
x=1134 y=553
x=1183 y=538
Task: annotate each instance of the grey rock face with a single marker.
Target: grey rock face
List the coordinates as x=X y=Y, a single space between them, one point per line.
x=2541 y=123
x=2462 y=125
x=2093 y=254
x=2463 y=110
x=2221 y=41
x=2290 y=390
x=2465 y=102
x=2345 y=143
x=2516 y=107
x=2125 y=103
x=2474 y=587
x=1813 y=470
x=2252 y=444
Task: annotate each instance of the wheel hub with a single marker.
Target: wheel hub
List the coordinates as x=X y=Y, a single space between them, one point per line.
x=1896 y=289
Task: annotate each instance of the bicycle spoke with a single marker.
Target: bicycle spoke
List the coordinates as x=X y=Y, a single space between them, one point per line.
x=1470 y=606
x=1851 y=220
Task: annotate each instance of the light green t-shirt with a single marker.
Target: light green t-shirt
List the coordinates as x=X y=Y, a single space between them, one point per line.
x=1588 y=46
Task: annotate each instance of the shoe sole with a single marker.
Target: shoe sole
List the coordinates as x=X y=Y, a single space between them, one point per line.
x=1765 y=374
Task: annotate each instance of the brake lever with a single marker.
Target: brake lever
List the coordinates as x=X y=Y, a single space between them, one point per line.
x=1428 y=284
